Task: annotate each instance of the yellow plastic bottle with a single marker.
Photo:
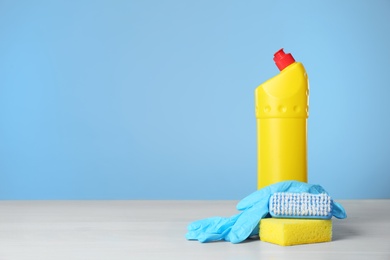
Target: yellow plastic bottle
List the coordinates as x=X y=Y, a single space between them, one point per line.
x=281 y=112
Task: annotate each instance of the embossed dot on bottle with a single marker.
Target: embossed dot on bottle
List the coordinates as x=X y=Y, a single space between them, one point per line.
x=267 y=109
x=297 y=109
x=282 y=109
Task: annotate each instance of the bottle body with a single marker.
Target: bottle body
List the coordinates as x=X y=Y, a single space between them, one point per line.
x=281 y=113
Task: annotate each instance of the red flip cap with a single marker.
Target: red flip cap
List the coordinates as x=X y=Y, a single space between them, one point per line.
x=282 y=60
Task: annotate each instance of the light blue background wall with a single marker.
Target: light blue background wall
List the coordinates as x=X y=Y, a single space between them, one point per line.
x=154 y=99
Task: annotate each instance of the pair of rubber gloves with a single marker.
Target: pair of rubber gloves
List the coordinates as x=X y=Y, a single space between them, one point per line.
x=253 y=208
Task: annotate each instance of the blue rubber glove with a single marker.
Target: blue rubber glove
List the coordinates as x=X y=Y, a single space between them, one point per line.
x=254 y=207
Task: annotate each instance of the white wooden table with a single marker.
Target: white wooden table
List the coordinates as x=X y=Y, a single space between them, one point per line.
x=155 y=230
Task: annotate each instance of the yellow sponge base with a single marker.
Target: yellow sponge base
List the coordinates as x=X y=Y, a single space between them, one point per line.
x=288 y=232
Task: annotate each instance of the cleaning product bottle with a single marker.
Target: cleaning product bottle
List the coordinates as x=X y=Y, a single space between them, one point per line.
x=281 y=112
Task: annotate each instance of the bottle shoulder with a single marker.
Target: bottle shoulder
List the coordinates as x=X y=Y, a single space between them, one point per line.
x=287 y=82
x=285 y=95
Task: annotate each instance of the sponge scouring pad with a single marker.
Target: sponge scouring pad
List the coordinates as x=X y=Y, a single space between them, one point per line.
x=288 y=232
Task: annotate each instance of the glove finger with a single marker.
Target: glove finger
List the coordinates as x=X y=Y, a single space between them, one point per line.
x=193 y=235
x=248 y=221
x=203 y=223
x=204 y=236
x=213 y=223
x=339 y=211
x=207 y=237
x=211 y=229
x=227 y=223
x=213 y=232
x=290 y=186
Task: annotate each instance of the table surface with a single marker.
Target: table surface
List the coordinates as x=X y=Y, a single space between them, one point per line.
x=155 y=230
